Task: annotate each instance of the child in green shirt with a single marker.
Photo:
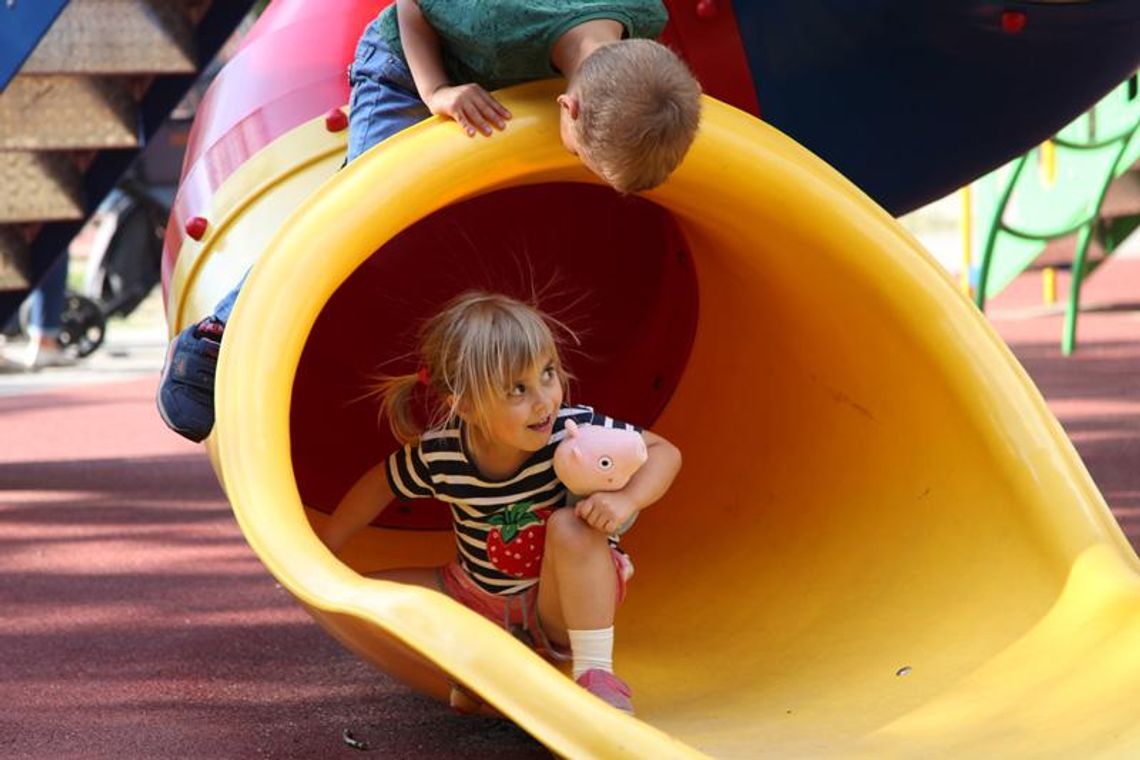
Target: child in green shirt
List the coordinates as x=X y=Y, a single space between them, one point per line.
x=629 y=111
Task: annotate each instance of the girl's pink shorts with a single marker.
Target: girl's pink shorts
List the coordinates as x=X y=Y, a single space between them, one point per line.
x=518 y=613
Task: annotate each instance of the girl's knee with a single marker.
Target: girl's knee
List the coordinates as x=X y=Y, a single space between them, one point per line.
x=568 y=533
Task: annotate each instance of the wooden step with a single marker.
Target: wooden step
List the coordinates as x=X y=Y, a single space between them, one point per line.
x=119 y=37
x=48 y=183
x=67 y=112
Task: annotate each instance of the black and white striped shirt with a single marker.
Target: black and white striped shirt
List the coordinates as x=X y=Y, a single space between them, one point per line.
x=500 y=526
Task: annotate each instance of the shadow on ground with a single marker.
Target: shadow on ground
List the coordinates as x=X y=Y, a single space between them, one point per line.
x=138 y=623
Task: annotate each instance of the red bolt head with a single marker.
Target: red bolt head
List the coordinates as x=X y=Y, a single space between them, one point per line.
x=196 y=227
x=336 y=120
x=706 y=9
x=1013 y=22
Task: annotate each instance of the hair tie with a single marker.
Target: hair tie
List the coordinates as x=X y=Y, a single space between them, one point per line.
x=422 y=376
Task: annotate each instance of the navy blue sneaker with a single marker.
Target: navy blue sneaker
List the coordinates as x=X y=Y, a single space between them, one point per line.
x=186 y=388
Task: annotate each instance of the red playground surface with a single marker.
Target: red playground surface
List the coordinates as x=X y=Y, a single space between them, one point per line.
x=138 y=623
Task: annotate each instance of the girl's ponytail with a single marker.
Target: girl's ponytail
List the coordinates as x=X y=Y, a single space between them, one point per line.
x=396 y=397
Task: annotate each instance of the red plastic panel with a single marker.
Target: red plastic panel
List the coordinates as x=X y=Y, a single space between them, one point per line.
x=706 y=34
x=292 y=67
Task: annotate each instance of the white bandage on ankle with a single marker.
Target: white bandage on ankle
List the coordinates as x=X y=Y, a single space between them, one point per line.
x=592 y=649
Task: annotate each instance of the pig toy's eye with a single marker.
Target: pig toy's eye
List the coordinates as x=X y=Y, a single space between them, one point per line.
x=605 y=463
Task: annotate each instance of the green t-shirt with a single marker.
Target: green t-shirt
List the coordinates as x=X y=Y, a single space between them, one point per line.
x=497 y=43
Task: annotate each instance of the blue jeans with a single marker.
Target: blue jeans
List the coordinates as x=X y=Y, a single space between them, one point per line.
x=383 y=102
x=384 y=99
x=45 y=303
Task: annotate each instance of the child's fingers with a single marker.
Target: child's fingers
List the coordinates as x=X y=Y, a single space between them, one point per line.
x=461 y=120
x=495 y=112
x=485 y=107
x=595 y=515
x=475 y=118
x=583 y=508
x=591 y=512
x=473 y=125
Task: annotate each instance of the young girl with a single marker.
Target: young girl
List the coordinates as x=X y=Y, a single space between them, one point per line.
x=555 y=574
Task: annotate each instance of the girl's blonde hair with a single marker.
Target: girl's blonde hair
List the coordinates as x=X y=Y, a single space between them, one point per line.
x=470 y=353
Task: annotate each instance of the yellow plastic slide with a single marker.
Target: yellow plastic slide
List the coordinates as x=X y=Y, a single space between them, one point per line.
x=881 y=544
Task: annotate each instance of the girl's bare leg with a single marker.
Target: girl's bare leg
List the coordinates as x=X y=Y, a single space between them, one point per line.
x=577 y=588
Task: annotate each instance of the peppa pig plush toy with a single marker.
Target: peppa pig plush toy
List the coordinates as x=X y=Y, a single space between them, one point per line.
x=593 y=458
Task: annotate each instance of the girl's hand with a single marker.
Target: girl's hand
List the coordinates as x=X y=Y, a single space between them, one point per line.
x=606 y=511
x=471 y=106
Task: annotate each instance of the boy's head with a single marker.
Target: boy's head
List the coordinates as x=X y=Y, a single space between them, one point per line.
x=630 y=113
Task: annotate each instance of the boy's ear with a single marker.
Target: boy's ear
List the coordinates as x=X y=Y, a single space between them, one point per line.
x=569 y=103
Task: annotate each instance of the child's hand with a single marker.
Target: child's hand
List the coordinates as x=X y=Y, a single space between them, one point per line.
x=606 y=511
x=471 y=106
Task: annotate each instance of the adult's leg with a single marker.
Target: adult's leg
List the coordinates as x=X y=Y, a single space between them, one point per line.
x=46 y=303
x=45 y=320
